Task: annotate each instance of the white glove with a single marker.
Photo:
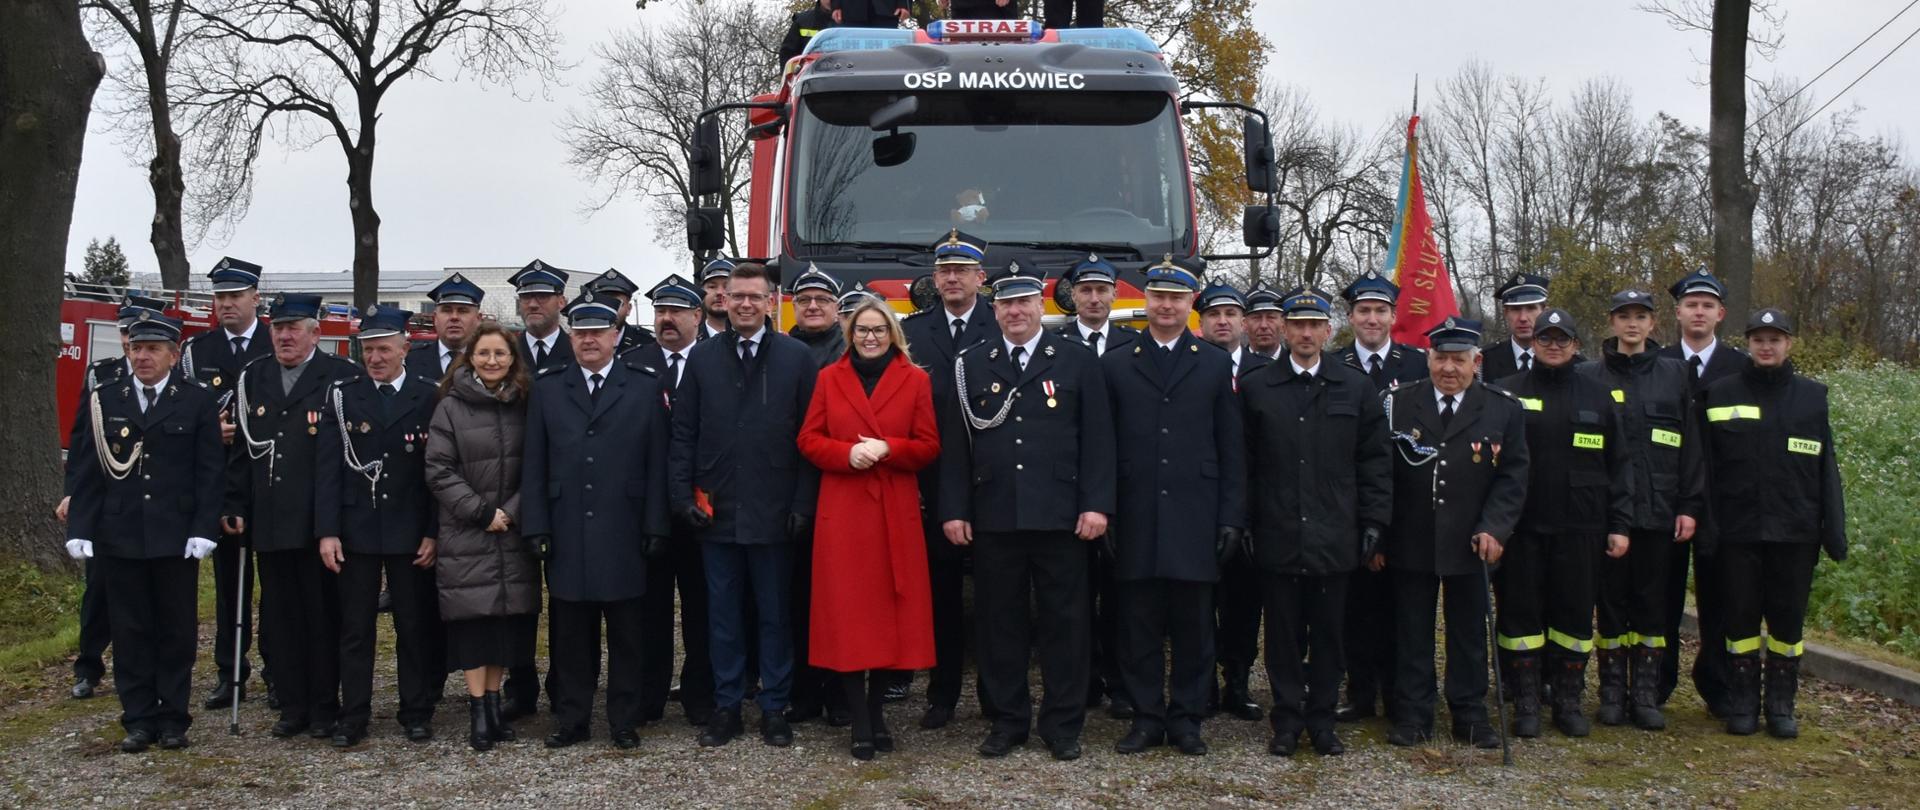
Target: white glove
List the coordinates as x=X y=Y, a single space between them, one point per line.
x=80 y=549
x=199 y=547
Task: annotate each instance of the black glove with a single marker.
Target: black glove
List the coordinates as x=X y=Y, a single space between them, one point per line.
x=653 y=546
x=694 y=516
x=1369 y=543
x=1228 y=543
x=798 y=527
x=542 y=545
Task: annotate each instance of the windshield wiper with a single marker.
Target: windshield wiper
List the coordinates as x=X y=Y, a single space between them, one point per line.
x=1110 y=249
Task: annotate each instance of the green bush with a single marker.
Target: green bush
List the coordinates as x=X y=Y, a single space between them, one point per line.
x=1875 y=595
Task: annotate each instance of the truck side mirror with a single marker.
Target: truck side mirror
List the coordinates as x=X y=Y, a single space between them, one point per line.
x=1258 y=147
x=1260 y=226
x=703 y=159
x=706 y=230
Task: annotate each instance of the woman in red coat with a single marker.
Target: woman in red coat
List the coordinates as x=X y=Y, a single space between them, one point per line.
x=869 y=429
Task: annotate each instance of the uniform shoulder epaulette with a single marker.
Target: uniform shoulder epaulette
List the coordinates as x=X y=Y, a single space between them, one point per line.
x=921 y=314
x=971 y=346
x=636 y=365
x=344 y=380
x=196 y=382
x=552 y=370
x=257 y=360
x=106 y=362
x=1501 y=391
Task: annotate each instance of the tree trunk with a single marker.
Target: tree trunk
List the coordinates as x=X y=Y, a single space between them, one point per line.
x=169 y=188
x=1733 y=193
x=366 y=221
x=48 y=74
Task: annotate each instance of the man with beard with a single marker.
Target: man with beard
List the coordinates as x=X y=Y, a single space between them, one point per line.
x=542 y=293
x=713 y=301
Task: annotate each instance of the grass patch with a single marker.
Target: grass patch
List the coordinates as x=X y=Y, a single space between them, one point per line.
x=40 y=624
x=1876 y=425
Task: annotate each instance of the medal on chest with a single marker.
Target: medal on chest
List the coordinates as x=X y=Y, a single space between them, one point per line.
x=313 y=423
x=1476 y=451
x=1049 y=388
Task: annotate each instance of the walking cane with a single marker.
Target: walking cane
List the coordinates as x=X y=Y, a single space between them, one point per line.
x=239 y=637
x=1486 y=579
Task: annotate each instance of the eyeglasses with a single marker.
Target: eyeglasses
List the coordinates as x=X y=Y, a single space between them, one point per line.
x=813 y=301
x=870 y=331
x=746 y=298
x=1553 y=341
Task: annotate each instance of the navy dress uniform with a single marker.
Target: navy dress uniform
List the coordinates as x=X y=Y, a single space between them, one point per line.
x=1704 y=366
x=813 y=687
x=1776 y=501
x=370 y=492
x=1027 y=450
x=430 y=360
x=1459 y=469
x=616 y=284
x=1182 y=495
x=594 y=498
x=215 y=357
x=1505 y=358
x=736 y=414
x=1370 y=592
x=1579 y=492
x=542 y=353
x=1109 y=336
x=1320 y=436
x=1236 y=596
x=680 y=568
x=1653 y=398
x=146 y=504
x=935 y=336
x=272 y=488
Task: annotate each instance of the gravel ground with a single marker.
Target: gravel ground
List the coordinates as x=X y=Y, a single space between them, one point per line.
x=1857 y=750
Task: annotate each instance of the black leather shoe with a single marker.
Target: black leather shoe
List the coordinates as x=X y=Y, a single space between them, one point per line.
x=173 y=740
x=1283 y=743
x=721 y=728
x=626 y=739
x=321 y=731
x=1121 y=708
x=1353 y=712
x=862 y=751
x=419 y=732
x=1479 y=734
x=839 y=716
x=273 y=697
x=653 y=715
x=1190 y=744
x=511 y=709
x=83 y=688
x=1407 y=736
x=936 y=717
x=1139 y=739
x=1001 y=743
x=137 y=740
x=222 y=696
x=383 y=603
x=883 y=741
x=344 y=737
x=898 y=692
x=801 y=712
x=1066 y=750
x=775 y=731
x=1326 y=743
x=698 y=715
x=1237 y=702
x=288 y=728
x=564 y=737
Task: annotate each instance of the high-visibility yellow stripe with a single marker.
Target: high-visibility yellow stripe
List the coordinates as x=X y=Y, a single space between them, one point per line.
x=1579 y=645
x=1727 y=413
x=808 y=32
x=1794 y=650
x=1589 y=441
x=1531 y=404
x=1803 y=446
x=1653 y=641
x=1619 y=396
x=1666 y=437
x=1521 y=643
x=1743 y=646
x=1613 y=642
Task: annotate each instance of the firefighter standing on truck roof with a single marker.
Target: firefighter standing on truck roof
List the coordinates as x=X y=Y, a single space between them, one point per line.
x=1776 y=501
x=804 y=25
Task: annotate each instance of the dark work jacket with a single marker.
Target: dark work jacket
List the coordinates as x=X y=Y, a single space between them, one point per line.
x=99 y=372
x=826 y=346
x=733 y=437
x=393 y=516
x=1118 y=336
x=275 y=492
x=930 y=345
x=632 y=337
x=1045 y=464
x=1653 y=399
x=208 y=356
x=559 y=354
x=801 y=30
x=1497 y=363
x=1401 y=365
x=1476 y=483
x=1250 y=360
x=173 y=491
x=423 y=361
x=1726 y=360
x=594 y=479
x=1580 y=465
x=1771 y=472
x=1182 y=458
x=1322 y=472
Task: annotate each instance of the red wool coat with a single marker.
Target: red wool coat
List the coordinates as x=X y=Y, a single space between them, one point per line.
x=872 y=608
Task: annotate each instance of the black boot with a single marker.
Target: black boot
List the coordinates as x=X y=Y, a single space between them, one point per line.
x=1569 y=684
x=853 y=686
x=880 y=687
x=1646 y=688
x=1743 y=694
x=1613 y=687
x=1237 y=700
x=1783 y=682
x=496 y=720
x=1523 y=682
x=479 y=724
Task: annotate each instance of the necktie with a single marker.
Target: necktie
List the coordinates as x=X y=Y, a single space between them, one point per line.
x=239 y=346
x=959 y=328
x=388 y=389
x=446 y=359
x=1526 y=361
x=1306 y=377
x=1446 y=410
x=147 y=395
x=594 y=382
x=1093 y=342
x=1020 y=357
x=539 y=354
x=1696 y=366
x=746 y=351
x=1373 y=364
x=673 y=370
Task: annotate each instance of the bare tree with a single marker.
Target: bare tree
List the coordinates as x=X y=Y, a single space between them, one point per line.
x=1469 y=117
x=48 y=74
x=634 y=137
x=330 y=64
x=150 y=33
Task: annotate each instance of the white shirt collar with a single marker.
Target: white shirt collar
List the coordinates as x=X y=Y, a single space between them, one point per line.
x=1031 y=345
x=603 y=371
x=252 y=326
x=1439 y=398
x=1297 y=369
x=536 y=342
x=1085 y=330
x=397 y=382
x=1169 y=344
x=1365 y=354
x=965 y=317
x=1518 y=350
x=1705 y=355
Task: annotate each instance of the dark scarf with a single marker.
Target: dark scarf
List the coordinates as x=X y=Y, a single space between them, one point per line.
x=870 y=371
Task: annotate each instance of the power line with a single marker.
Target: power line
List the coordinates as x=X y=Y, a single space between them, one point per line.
x=1843 y=90
x=1836 y=63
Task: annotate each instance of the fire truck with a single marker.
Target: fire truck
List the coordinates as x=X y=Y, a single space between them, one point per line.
x=1048 y=144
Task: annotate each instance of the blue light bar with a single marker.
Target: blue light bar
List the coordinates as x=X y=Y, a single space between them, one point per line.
x=858 y=39
x=1124 y=39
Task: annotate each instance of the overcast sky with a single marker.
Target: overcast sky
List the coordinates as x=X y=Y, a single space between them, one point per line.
x=469 y=175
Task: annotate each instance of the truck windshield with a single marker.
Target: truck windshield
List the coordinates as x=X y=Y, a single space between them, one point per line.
x=1032 y=168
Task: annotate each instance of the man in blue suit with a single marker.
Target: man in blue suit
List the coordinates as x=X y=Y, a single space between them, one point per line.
x=737 y=475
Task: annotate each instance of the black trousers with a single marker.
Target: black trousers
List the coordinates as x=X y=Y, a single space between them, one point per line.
x=1047 y=571
x=1710 y=662
x=813 y=687
x=681 y=570
x=1306 y=618
x=1237 y=607
x=1155 y=615
x=1075 y=13
x=1633 y=591
x=946 y=579
x=573 y=643
x=416 y=629
x=96 y=631
x=300 y=610
x=155 y=631
x=1103 y=595
x=1546 y=586
x=1465 y=609
x=1369 y=653
x=1766 y=582
x=226 y=572
x=988 y=10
